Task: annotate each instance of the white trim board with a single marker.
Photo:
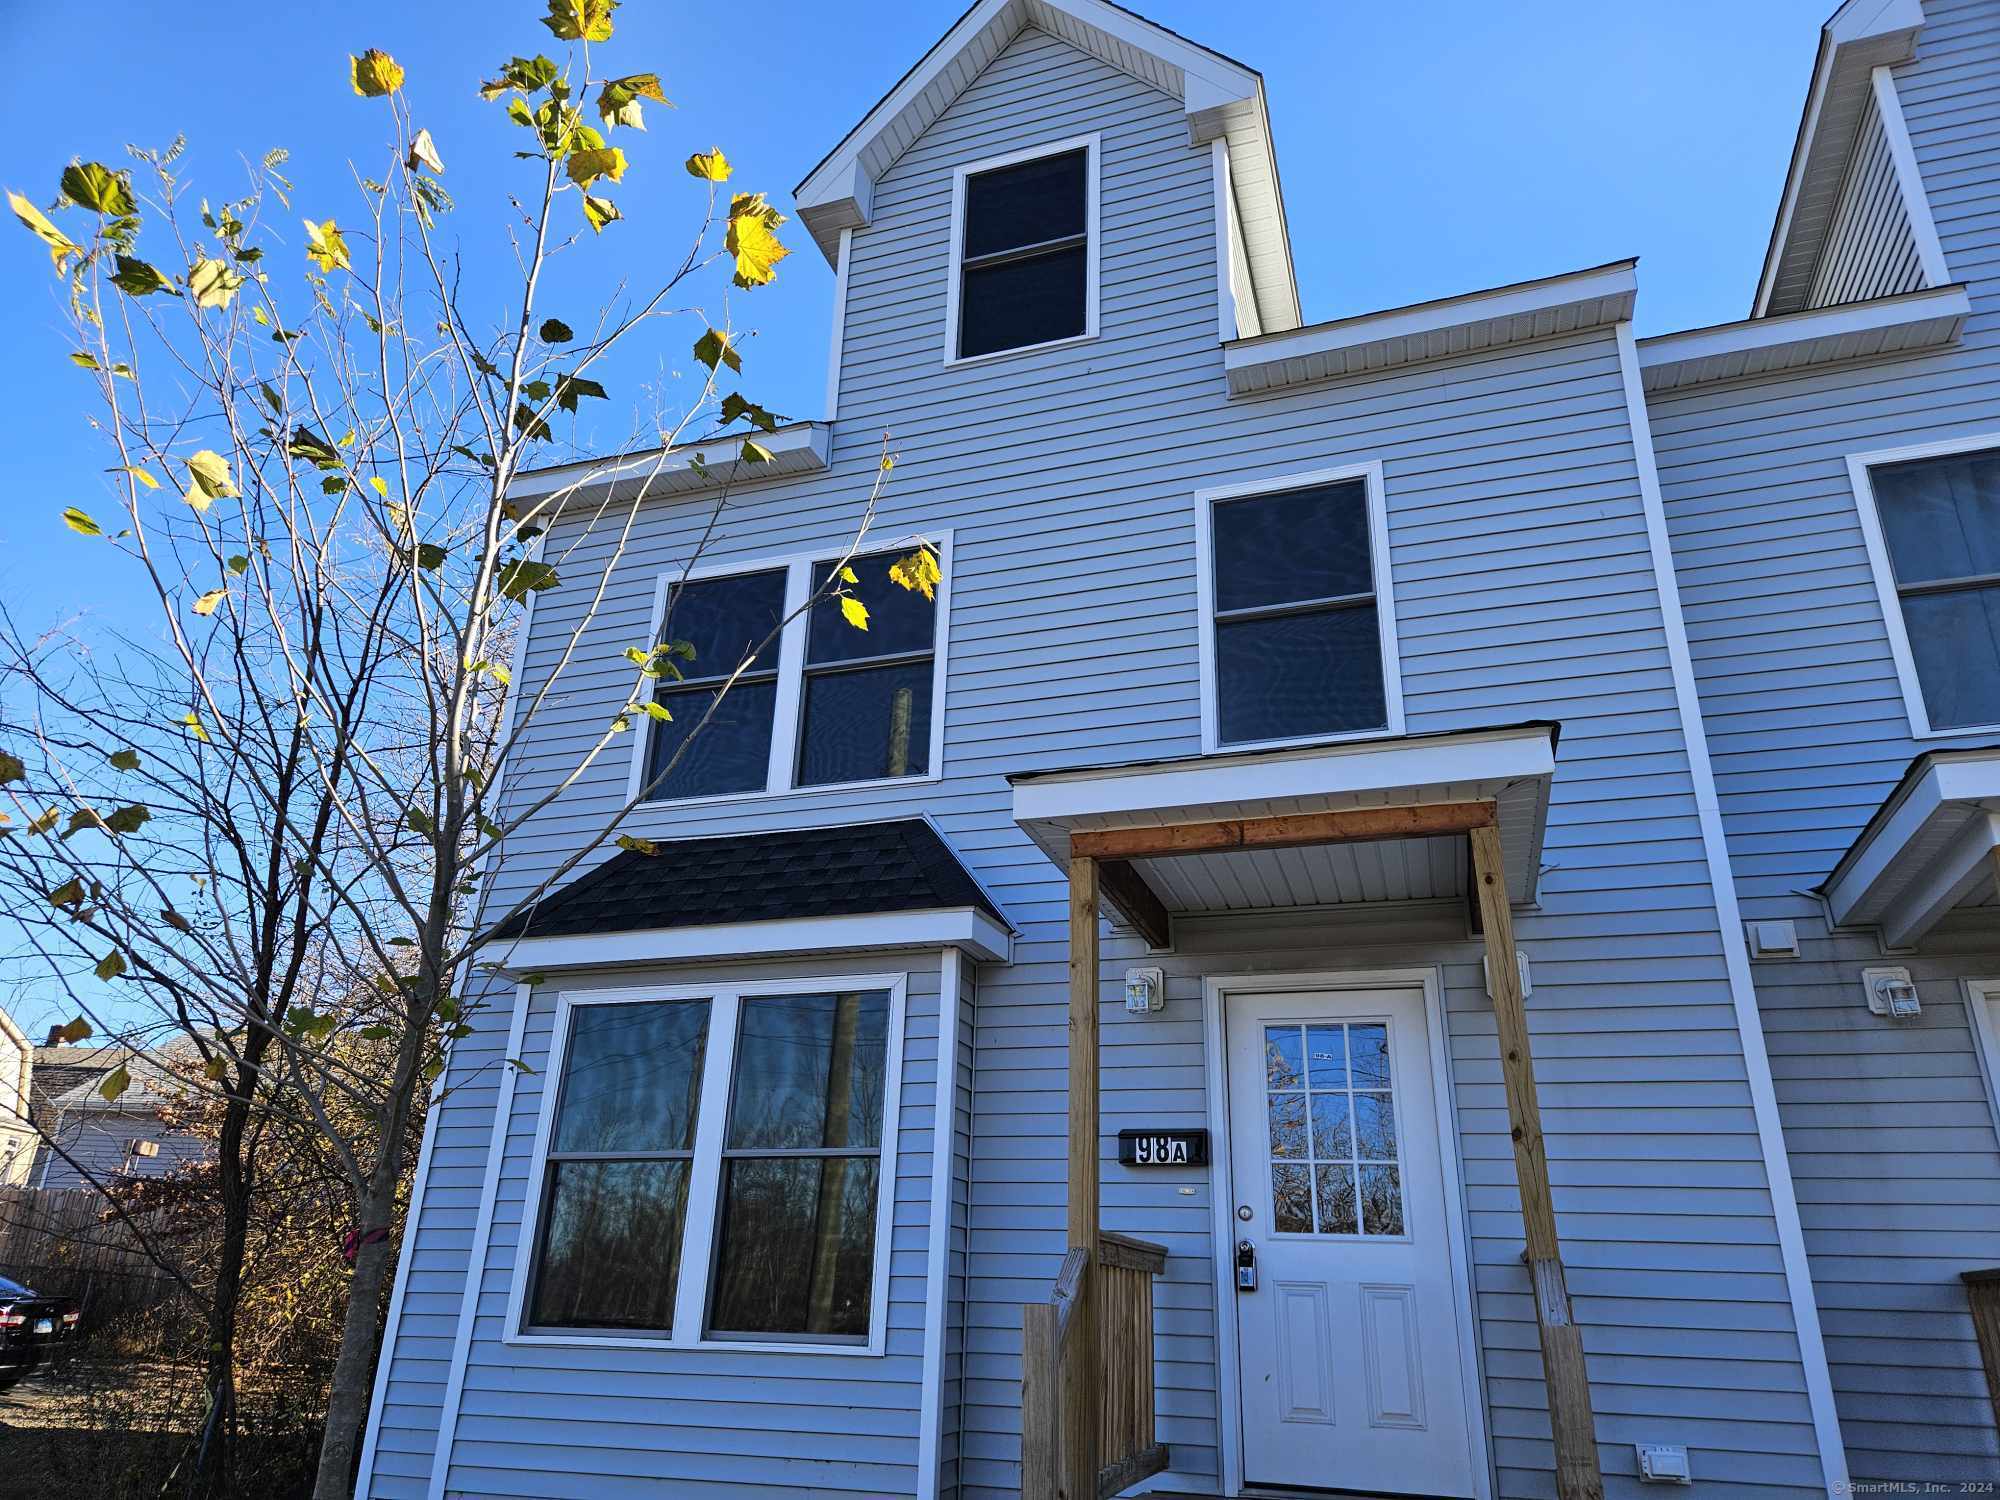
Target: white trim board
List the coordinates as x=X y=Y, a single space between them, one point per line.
x=1382 y=576
x=964 y=927
x=1909 y=179
x=1981 y=996
x=704 y=1176
x=689 y=468
x=1092 y=146
x=788 y=717
x=1215 y=991
x=1735 y=946
x=1442 y=329
x=1908 y=323
x=1858 y=466
x=937 y=1250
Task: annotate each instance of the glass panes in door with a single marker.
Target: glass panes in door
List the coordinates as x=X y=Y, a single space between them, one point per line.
x=1331 y=1113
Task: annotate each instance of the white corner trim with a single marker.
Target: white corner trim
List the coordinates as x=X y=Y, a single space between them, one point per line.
x=406 y=1252
x=1978 y=995
x=1092 y=146
x=689 y=1332
x=1916 y=202
x=482 y=1234
x=1215 y=992
x=937 y=1251
x=1735 y=948
x=1858 y=467
x=837 y=335
x=1383 y=578
x=964 y=927
x=1227 y=318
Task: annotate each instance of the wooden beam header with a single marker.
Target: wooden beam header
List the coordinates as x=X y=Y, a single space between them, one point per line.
x=1285 y=831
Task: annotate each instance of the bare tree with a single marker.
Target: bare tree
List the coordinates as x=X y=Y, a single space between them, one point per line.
x=285 y=789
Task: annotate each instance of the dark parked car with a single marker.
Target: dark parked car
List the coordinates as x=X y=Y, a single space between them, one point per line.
x=32 y=1329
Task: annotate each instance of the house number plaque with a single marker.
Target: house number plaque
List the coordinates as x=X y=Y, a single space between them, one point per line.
x=1163 y=1148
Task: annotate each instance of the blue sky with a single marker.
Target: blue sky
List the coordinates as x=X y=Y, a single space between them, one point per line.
x=1426 y=149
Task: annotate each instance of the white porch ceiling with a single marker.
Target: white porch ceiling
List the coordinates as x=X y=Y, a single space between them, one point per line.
x=1928 y=851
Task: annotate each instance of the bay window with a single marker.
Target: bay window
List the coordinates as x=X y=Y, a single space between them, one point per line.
x=717 y=1166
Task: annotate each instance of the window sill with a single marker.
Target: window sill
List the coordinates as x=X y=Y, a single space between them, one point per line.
x=956 y=362
x=873 y=1349
x=1957 y=731
x=724 y=799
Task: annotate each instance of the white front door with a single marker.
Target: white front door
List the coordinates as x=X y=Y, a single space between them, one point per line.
x=1350 y=1343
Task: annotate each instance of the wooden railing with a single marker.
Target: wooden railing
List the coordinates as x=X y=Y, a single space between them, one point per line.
x=1982 y=1292
x=1087 y=1375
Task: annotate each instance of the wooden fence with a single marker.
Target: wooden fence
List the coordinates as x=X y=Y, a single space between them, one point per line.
x=60 y=1244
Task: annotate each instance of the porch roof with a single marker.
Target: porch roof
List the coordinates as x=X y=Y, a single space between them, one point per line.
x=1419 y=785
x=1927 y=851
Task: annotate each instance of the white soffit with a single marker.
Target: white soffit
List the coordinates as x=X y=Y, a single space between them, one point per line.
x=1450 y=326
x=1510 y=767
x=1927 y=851
x=1861 y=36
x=1224 y=101
x=1928 y=319
x=688 y=468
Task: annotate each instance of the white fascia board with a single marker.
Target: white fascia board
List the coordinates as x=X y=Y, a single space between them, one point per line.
x=1860 y=36
x=1827 y=335
x=1357 y=768
x=838 y=193
x=1599 y=297
x=959 y=927
x=1867 y=874
x=800 y=448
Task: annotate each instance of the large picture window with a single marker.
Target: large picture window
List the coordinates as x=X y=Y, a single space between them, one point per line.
x=1298 y=625
x=1024 y=258
x=819 y=702
x=715 y=1166
x=1940 y=526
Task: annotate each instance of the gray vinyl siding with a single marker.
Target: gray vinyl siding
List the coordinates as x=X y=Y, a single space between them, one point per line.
x=587 y=1421
x=1524 y=588
x=1889 y=1127
x=96 y=1145
x=1869 y=249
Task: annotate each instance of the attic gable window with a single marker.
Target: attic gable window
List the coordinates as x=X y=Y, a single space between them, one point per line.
x=1024 y=251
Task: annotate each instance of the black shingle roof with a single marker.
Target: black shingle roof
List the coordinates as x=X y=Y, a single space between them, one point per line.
x=853 y=870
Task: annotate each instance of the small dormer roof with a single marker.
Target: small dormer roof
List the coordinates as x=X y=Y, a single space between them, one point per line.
x=1858 y=38
x=1224 y=101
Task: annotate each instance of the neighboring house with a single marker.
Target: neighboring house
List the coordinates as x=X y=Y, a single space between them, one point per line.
x=1329 y=662
x=97 y=1139
x=17 y=1131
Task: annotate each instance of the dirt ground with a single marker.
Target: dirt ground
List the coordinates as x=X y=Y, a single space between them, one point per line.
x=88 y=1432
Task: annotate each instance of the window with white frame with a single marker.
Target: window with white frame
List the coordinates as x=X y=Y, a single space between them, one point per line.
x=740 y=1138
x=1023 y=258
x=1940 y=527
x=822 y=701
x=1298 y=629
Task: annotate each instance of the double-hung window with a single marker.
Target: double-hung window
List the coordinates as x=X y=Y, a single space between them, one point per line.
x=723 y=622
x=1940 y=526
x=1025 y=255
x=716 y=1166
x=1301 y=632
x=820 y=701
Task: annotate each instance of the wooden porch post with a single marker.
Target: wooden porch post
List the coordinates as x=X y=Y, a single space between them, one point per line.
x=1083 y=1416
x=1578 y=1476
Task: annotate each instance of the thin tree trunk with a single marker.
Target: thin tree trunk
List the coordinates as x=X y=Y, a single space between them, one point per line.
x=213 y=1469
x=360 y=1332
